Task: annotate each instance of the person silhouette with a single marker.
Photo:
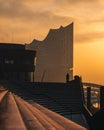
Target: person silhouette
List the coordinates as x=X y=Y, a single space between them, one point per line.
x=67 y=77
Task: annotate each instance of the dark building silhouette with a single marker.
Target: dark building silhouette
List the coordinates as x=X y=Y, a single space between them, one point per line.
x=16 y=63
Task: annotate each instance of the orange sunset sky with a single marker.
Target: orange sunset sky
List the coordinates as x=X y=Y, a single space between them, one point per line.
x=23 y=20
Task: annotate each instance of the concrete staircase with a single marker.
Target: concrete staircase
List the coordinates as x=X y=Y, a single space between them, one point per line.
x=18 y=114
x=62 y=98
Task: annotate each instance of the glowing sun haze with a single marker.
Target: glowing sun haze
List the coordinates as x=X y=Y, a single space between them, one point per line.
x=23 y=20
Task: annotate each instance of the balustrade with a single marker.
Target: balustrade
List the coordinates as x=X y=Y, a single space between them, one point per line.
x=93 y=96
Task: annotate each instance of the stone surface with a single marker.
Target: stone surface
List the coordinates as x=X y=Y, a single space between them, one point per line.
x=18 y=114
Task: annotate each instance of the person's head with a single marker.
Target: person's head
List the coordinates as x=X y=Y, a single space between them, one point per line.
x=76 y=77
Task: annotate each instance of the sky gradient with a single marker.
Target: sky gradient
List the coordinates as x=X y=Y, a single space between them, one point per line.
x=21 y=21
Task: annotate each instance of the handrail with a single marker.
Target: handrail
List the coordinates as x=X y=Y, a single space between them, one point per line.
x=93 y=92
x=91 y=84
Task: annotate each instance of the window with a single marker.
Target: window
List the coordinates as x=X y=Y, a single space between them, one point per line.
x=7 y=61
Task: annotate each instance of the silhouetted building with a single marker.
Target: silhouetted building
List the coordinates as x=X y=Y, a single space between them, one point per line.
x=16 y=62
x=54 y=57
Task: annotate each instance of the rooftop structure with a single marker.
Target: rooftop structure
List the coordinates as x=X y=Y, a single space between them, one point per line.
x=16 y=62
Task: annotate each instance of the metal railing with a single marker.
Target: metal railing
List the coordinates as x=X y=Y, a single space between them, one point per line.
x=93 y=96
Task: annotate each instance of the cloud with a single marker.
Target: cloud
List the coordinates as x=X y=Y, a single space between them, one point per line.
x=37 y=17
x=74 y=1
x=12 y=8
x=89 y=37
x=18 y=10
x=37 y=2
x=18 y=18
x=21 y=8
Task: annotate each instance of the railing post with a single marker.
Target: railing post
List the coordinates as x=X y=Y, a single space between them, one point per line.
x=89 y=97
x=101 y=97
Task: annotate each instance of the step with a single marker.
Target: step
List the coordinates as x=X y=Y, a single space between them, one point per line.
x=10 y=115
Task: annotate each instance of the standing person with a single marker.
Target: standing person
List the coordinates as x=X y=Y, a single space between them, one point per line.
x=67 y=77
